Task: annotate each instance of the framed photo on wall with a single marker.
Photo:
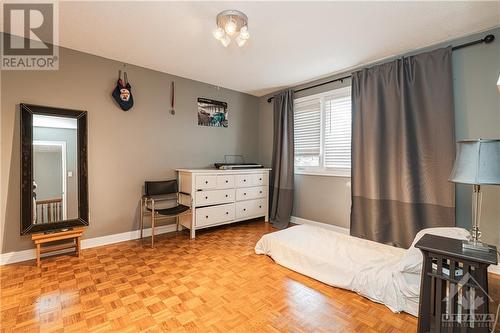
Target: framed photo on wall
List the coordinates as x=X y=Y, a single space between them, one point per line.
x=212 y=113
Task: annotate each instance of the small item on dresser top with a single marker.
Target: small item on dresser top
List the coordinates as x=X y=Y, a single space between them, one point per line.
x=122 y=93
x=236 y=162
x=231 y=166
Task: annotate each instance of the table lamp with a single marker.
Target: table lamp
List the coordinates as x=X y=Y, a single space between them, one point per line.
x=477 y=163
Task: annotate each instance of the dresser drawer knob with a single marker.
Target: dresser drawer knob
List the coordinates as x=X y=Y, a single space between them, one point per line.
x=260 y=192
x=244 y=194
x=206 y=217
x=206 y=197
x=244 y=180
x=260 y=178
x=206 y=181
x=244 y=209
x=260 y=206
x=227 y=195
x=227 y=181
x=227 y=213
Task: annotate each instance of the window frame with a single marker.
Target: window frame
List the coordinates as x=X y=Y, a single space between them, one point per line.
x=322 y=170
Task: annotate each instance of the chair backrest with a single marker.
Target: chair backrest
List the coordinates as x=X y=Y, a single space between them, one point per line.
x=161 y=187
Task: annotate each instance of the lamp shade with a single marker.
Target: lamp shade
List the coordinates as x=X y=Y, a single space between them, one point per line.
x=477 y=162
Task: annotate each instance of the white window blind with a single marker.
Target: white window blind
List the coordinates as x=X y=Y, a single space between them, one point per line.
x=337 y=132
x=322 y=129
x=307 y=122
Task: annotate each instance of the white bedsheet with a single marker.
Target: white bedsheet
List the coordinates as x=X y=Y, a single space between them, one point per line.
x=366 y=267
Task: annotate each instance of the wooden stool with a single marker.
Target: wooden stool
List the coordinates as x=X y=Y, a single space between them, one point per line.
x=75 y=234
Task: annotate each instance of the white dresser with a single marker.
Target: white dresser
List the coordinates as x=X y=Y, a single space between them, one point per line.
x=223 y=196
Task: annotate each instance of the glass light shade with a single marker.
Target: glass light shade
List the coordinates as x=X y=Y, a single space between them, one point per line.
x=230 y=27
x=498 y=83
x=244 y=34
x=240 y=41
x=225 y=40
x=218 y=33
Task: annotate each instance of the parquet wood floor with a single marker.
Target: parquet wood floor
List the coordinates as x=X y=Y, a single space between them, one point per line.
x=214 y=283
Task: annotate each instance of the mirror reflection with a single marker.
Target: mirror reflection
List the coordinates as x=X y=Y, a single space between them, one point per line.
x=55 y=179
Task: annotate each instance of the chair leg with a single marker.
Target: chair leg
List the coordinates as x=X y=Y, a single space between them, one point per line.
x=153 y=214
x=142 y=215
x=177 y=223
x=152 y=229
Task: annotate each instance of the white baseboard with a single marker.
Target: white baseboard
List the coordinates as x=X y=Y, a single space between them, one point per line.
x=494 y=269
x=125 y=236
x=299 y=220
x=18 y=256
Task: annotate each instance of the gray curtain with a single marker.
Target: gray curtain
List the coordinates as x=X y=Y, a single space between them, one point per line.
x=403 y=147
x=281 y=187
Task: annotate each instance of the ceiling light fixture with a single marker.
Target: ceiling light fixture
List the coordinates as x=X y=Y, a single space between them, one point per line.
x=230 y=23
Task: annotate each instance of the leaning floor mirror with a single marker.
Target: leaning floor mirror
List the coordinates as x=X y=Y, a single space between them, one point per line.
x=54 y=184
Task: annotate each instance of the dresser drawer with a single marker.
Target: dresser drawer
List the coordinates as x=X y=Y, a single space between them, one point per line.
x=205 y=198
x=259 y=179
x=215 y=214
x=251 y=208
x=225 y=181
x=206 y=182
x=250 y=193
x=244 y=181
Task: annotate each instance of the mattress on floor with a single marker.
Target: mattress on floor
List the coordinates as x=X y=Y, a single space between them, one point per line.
x=371 y=269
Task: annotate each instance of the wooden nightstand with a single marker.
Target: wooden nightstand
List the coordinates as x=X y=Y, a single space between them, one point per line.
x=454 y=286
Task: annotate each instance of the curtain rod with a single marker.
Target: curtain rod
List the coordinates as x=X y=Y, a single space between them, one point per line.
x=487 y=39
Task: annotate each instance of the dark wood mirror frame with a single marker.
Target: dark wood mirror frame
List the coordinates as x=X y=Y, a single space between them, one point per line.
x=27 y=112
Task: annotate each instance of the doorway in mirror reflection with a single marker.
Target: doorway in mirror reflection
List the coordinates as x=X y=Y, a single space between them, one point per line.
x=55 y=179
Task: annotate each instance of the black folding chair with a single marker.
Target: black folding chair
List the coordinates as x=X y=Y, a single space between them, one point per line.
x=162 y=191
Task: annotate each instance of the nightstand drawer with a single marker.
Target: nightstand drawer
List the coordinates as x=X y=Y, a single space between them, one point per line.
x=250 y=193
x=251 y=208
x=205 y=198
x=215 y=214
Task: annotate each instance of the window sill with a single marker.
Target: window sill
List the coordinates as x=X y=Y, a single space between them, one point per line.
x=323 y=173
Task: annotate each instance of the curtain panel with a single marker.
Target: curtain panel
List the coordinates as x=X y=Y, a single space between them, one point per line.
x=281 y=187
x=403 y=148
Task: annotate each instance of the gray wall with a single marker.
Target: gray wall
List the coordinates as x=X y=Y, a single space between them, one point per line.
x=125 y=148
x=477 y=114
x=68 y=136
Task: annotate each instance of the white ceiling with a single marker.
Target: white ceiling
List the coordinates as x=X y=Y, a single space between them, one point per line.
x=291 y=42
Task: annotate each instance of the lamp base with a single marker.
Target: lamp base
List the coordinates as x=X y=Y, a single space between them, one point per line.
x=471 y=245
